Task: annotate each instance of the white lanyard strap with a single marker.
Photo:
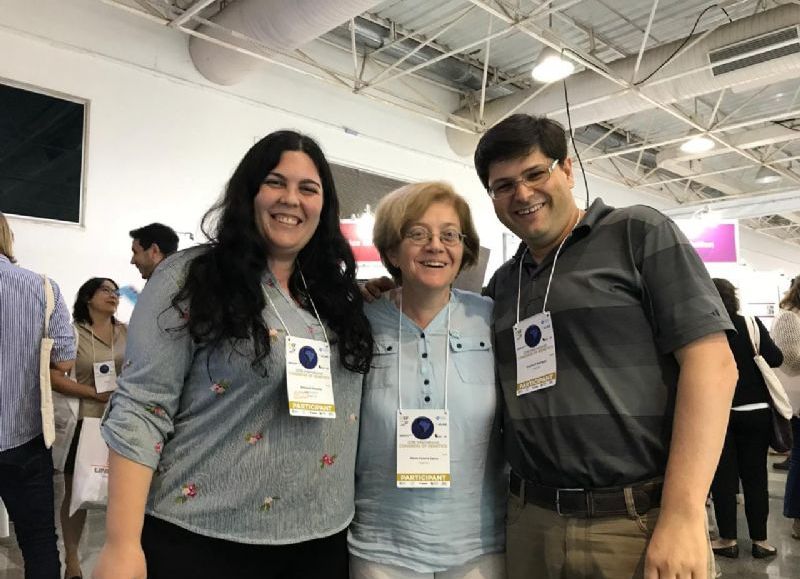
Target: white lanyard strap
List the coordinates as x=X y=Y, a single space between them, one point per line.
x=552 y=270
x=94 y=357
x=314 y=307
x=400 y=353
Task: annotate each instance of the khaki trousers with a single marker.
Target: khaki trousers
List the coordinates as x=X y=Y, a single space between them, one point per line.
x=540 y=544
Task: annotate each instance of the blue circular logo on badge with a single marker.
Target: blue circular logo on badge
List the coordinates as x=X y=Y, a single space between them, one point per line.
x=533 y=335
x=104 y=368
x=308 y=357
x=422 y=427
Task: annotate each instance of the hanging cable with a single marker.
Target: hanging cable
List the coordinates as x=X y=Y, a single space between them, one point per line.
x=685 y=40
x=574 y=147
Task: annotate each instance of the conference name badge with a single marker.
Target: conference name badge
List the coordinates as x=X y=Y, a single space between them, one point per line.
x=105 y=377
x=423 y=449
x=308 y=378
x=535 y=347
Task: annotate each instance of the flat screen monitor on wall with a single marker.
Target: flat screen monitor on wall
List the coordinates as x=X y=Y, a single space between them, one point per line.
x=41 y=154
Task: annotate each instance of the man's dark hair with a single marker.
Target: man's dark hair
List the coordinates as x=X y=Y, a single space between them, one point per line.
x=158 y=233
x=518 y=136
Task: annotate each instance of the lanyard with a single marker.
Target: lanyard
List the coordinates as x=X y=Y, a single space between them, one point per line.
x=400 y=353
x=552 y=269
x=316 y=313
x=113 y=336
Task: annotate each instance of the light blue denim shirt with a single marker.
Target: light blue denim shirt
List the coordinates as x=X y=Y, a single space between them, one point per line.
x=431 y=530
x=231 y=462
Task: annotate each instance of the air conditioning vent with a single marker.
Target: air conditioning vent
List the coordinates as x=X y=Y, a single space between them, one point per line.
x=785 y=42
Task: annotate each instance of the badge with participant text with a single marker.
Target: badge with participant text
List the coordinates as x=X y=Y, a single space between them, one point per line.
x=308 y=378
x=105 y=377
x=423 y=449
x=535 y=347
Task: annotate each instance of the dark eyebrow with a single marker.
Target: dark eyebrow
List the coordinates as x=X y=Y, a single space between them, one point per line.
x=302 y=181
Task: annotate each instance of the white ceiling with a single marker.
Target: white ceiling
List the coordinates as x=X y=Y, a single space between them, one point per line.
x=464 y=64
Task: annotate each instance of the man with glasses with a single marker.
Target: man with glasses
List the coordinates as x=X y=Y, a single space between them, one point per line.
x=615 y=370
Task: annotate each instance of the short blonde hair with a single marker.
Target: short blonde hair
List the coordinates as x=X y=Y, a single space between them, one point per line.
x=405 y=205
x=6 y=239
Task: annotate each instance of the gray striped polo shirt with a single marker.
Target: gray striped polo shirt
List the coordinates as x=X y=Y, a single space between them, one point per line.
x=628 y=291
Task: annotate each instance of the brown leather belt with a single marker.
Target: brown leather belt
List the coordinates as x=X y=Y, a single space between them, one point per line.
x=588 y=503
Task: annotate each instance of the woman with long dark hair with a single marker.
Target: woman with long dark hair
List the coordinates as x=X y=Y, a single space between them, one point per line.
x=233 y=431
x=101 y=338
x=744 y=453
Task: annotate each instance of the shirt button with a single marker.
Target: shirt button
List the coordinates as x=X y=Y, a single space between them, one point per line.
x=458 y=345
x=482 y=344
x=424 y=354
x=388 y=348
x=426 y=381
x=427 y=399
x=422 y=335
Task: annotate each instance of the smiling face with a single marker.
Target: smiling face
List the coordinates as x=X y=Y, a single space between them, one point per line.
x=432 y=265
x=288 y=205
x=104 y=300
x=542 y=216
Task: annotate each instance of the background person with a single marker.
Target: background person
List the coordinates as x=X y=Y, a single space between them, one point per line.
x=786 y=332
x=151 y=245
x=425 y=235
x=101 y=338
x=744 y=454
x=26 y=464
x=210 y=476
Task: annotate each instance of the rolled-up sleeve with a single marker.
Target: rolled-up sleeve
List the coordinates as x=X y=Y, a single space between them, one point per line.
x=61 y=329
x=158 y=357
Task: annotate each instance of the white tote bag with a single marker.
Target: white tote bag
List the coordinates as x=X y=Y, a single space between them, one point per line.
x=90 y=480
x=776 y=390
x=5 y=531
x=48 y=419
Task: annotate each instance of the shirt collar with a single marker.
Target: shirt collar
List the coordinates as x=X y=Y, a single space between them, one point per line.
x=597 y=211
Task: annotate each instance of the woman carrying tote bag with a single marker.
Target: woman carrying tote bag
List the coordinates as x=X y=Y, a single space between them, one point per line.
x=744 y=454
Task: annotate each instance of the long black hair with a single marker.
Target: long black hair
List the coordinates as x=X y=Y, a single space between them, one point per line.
x=80 y=310
x=223 y=285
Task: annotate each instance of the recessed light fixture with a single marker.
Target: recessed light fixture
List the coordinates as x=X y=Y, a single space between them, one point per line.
x=698 y=144
x=551 y=66
x=766 y=176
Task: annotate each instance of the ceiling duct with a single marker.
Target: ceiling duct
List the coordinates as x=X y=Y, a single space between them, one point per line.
x=595 y=99
x=785 y=42
x=275 y=24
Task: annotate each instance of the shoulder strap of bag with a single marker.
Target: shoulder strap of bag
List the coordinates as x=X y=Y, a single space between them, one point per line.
x=49 y=305
x=755 y=335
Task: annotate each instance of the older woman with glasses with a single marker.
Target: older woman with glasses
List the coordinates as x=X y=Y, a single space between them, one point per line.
x=430 y=485
x=101 y=342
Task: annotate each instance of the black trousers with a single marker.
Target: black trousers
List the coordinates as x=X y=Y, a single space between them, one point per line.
x=175 y=553
x=26 y=487
x=744 y=456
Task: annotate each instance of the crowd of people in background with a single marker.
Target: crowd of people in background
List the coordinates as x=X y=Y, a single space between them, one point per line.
x=271 y=418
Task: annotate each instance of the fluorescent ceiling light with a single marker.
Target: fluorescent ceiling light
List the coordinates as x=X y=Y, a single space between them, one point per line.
x=551 y=66
x=766 y=176
x=698 y=144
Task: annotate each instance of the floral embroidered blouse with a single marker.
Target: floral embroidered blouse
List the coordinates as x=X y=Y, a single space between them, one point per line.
x=229 y=460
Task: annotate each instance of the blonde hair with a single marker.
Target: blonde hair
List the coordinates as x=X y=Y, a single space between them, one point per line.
x=405 y=205
x=6 y=239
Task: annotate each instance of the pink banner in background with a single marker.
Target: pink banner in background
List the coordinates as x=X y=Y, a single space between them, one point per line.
x=714 y=242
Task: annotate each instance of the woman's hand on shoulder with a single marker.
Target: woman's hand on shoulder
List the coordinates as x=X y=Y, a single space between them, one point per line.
x=374 y=288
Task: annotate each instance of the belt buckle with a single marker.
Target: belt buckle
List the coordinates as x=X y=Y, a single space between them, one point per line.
x=558 y=501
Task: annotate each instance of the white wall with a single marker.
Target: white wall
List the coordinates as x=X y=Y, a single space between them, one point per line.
x=162 y=141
